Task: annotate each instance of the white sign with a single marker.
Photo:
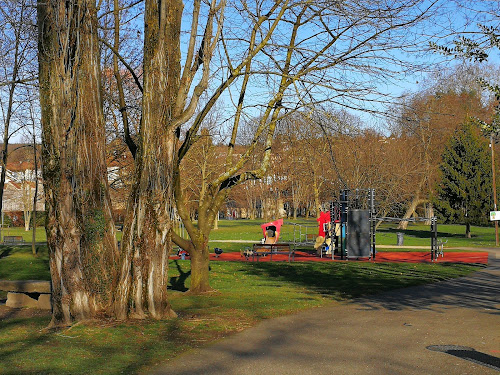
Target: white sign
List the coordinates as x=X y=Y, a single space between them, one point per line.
x=494 y=215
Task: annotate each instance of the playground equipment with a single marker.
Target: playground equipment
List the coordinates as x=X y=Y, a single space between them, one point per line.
x=272 y=231
x=358 y=221
x=349 y=228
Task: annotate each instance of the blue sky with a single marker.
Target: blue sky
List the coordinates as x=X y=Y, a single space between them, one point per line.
x=440 y=29
x=449 y=19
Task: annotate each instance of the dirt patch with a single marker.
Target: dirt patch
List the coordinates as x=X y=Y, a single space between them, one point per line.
x=10 y=313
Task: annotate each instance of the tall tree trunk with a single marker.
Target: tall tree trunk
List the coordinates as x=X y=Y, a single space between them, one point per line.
x=253 y=209
x=216 y=222
x=35 y=197
x=429 y=212
x=403 y=224
x=467 y=230
x=317 y=203
x=199 y=267
x=27 y=201
x=199 y=233
x=3 y=165
x=280 y=208
x=80 y=229
x=294 y=204
x=146 y=242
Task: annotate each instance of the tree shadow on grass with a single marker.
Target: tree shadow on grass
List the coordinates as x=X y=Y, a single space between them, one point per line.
x=5 y=252
x=126 y=348
x=179 y=282
x=387 y=284
x=345 y=280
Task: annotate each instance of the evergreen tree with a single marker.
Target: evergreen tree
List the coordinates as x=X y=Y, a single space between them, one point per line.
x=464 y=192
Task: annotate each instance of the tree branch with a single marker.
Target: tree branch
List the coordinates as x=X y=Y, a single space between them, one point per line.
x=129 y=68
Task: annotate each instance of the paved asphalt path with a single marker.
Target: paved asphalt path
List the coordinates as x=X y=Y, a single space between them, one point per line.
x=390 y=333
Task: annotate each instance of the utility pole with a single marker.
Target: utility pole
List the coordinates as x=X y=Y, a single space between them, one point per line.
x=492 y=145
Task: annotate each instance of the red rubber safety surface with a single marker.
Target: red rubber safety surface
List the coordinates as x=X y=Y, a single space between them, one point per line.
x=402 y=257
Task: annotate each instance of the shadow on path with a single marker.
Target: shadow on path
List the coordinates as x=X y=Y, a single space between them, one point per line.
x=478 y=291
x=469 y=354
x=389 y=333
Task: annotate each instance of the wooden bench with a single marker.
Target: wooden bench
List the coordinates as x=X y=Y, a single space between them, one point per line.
x=270 y=249
x=13 y=239
x=27 y=293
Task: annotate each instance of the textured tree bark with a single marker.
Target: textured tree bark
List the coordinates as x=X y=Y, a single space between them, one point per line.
x=403 y=224
x=146 y=244
x=80 y=229
x=146 y=239
x=197 y=247
x=200 y=277
x=429 y=212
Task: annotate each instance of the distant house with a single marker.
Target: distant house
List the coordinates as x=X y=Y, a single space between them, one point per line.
x=19 y=188
x=21 y=171
x=19 y=196
x=20 y=179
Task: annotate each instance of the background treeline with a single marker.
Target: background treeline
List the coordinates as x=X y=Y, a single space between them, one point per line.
x=319 y=152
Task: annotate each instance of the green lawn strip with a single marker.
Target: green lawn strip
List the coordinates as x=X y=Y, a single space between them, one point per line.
x=40 y=235
x=245 y=294
x=250 y=230
x=18 y=263
x=419 y=235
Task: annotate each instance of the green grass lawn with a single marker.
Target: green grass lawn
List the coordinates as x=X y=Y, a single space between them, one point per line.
x=246 y=293
x=415 y=235
x=419 y=235
x=39 y=234
x=18 y=263
x=27 y=235
x=250 y=230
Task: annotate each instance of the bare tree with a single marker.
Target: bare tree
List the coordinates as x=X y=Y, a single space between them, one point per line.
x=166 y=105
x=80 y=230
x=17 y=45
x=301 y=52
x=274 y=57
